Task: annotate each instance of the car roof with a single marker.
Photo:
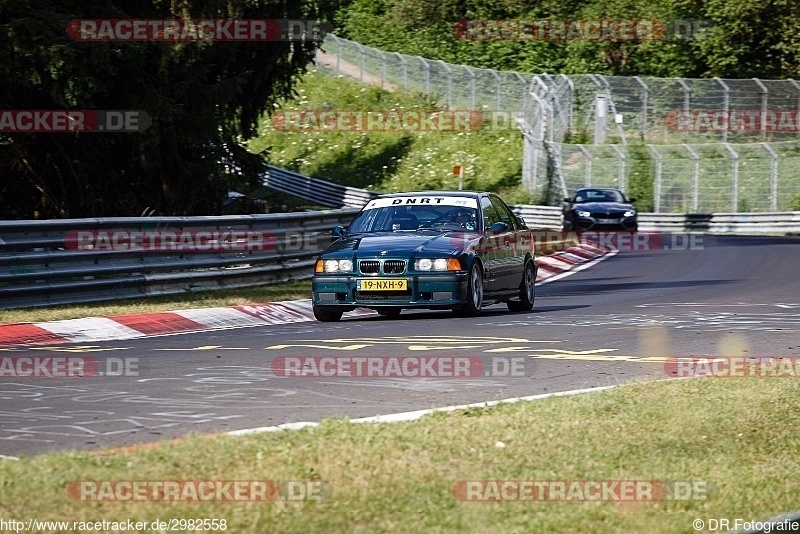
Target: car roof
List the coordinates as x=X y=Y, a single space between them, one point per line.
x=598 y=189
x=440 y=193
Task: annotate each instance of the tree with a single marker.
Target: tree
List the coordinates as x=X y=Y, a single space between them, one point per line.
x=204 y=98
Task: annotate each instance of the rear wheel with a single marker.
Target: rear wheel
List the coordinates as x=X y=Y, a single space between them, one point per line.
x=527 y=290
x=326 y=315
x=392 y=313
x=472 y=307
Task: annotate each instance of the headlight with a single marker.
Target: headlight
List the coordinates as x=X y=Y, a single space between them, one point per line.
x=584 y=214
x=423 y=265
x=438 y=264
x=333 y=266
x=629 y=213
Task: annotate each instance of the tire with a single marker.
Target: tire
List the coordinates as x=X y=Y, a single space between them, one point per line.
x=472 y=307
x=392 y=313
x=326 y=315
x=527 y=290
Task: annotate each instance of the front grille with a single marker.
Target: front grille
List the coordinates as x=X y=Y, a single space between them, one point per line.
x=369 y=267
x=394 y=266
x=603 y=215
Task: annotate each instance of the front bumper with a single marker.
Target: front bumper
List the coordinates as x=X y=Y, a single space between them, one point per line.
x=440 y=290
x=592 y=223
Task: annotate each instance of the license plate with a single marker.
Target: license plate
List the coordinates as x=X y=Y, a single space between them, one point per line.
x=385 y=284
x=607 y=221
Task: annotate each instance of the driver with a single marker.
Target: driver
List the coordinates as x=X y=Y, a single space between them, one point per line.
x=464 y=218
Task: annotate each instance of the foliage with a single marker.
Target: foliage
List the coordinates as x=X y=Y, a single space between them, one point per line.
x=204 y=98
x=729 y=38
x=391 y=161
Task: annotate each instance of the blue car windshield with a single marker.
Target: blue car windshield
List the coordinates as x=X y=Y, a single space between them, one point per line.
x=454 y=213
x=598 y=195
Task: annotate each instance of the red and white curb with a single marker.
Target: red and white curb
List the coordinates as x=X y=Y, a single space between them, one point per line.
x=121 y=327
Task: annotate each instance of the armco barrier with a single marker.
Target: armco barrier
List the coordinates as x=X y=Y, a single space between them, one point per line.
x=52 y=262
x=320 y=192
x=85 y=260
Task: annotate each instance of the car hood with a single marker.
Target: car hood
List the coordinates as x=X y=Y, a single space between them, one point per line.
x=400 y=244
x=602 y=206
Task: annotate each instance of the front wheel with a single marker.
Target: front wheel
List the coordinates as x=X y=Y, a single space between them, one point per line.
x=472 y=307
x=326 y=315
x=527 y=291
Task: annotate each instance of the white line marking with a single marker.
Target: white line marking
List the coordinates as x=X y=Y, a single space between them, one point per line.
x=413 y=416
x=4 y=457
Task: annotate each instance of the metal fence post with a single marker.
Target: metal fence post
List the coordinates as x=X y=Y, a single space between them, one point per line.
x=621 y=179
x=338 y=54
x=646 y=91
x=361 y=62
x=449 y=83
x=402 y=59
x=524 y=86
x=735 y=181
x=796 y=88
x=588 y=170
x=383 y=67
x=471 y=87
x=498 y=90
x=657 y=184
x=726 y=106
x=764 y=106
x=687 y=97
x=427 y=67
x=695 y=176
x=773 y=200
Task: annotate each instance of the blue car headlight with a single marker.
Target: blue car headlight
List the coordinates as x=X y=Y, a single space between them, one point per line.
x=584 y=214
x=437 y=264
x=629 y=213
x=333 y=266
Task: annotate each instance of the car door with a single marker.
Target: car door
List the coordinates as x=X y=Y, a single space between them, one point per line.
x=490 y=253
x=513 y=254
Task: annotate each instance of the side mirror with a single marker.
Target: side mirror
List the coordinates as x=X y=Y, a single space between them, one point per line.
x=521 y=222
x=338 y=231
x=632 y=199
x=498 y=227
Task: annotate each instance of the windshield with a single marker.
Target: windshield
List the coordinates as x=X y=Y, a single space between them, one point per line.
x=404 y=214
x=598 y=195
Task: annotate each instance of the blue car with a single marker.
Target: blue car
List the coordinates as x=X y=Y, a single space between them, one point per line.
x=453 y=250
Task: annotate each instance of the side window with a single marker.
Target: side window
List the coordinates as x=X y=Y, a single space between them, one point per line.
x=504 y=213
x=489 y=213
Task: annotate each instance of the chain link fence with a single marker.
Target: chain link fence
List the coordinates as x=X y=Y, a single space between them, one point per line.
x=706 y=145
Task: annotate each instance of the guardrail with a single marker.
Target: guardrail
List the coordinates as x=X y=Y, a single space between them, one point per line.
x=320 y=192
x=86 y=260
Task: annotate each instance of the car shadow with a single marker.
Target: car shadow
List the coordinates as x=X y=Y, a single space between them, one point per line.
x=500 y=310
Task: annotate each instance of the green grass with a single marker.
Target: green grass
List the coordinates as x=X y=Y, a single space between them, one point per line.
x=739 y=436
x=391 y=161
x=296 y=289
